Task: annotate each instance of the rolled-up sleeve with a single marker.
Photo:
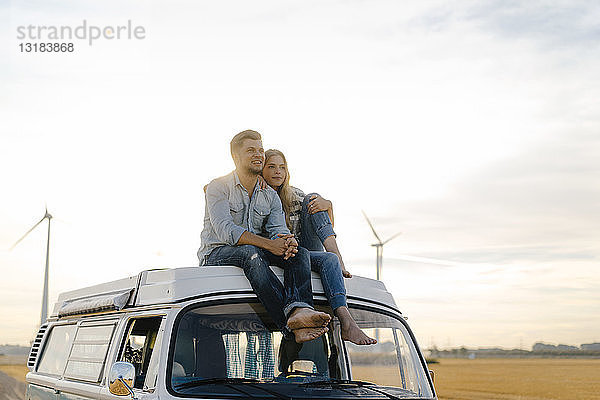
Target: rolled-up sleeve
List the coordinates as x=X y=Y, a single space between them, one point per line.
x=217 y=203
x=276 y=221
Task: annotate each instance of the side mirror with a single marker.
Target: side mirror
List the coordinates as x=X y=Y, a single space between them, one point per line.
x=120 y=379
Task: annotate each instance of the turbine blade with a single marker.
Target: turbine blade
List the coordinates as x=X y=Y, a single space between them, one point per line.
x=371 y=225
x=27 y=233
x=396 y=235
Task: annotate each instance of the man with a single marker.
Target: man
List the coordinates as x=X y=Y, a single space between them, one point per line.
x=244 y=226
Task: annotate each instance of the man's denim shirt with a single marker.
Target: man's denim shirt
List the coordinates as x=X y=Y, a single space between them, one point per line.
x=230 y=211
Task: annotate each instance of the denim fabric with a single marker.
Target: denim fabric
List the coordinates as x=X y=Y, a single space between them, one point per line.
x=327 y=265
x=230 y=211
x=315 y=228
x=279 y=300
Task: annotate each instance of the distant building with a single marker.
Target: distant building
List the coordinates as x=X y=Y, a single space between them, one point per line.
x=10 y=349
x=590 y=346
x=543 y=347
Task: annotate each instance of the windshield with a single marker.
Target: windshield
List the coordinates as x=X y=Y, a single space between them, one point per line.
x=233 y=349
x=393 y=361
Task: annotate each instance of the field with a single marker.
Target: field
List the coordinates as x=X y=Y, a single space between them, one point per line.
x=513 y=379
x=14 y=366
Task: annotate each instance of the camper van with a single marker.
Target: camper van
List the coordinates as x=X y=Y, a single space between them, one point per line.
x=201 y=333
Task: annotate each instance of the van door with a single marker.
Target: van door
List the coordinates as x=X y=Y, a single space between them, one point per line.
x=140 y=346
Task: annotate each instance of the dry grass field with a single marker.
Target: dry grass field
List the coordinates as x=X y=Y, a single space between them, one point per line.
x=517 y=379
x=507 y=379
x=15 y=371
x=14 y=366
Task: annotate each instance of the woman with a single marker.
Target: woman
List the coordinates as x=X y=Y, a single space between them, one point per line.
x=309 y=218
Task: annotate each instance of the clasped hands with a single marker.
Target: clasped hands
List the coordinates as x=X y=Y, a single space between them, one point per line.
x=285 y=245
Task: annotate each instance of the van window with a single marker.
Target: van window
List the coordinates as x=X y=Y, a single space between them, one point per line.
x=89 y=351
x=56 y=350
x=139 y=344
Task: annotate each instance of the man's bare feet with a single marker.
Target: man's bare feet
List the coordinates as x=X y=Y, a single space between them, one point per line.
x=307 y=318
x=350 y=330
x=305 y=334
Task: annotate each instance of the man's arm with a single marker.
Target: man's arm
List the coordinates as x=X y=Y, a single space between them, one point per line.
x=278 y=246
x=217 y=203
x=275 y=225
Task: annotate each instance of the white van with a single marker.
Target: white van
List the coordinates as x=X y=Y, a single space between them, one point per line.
x=201 y=333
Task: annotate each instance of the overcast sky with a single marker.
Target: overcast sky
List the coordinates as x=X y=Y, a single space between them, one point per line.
x=472 y=128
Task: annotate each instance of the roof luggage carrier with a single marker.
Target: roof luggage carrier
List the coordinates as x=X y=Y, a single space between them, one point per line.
x=176 y=285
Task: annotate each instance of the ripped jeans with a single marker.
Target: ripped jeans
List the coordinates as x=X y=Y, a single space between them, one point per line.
x=279 y=300
x=314 y=229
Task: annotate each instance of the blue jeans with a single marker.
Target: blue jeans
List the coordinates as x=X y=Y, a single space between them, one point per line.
x=279 y=300
x=314 y=229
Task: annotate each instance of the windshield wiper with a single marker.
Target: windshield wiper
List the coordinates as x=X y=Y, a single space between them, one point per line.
x=337 y=382
x=340 y=383
x=229 y=381
x=215 y=381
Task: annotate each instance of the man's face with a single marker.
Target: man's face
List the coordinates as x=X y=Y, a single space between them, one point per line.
x=251 y=156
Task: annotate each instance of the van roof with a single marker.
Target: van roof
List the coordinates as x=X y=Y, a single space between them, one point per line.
x=175 y=285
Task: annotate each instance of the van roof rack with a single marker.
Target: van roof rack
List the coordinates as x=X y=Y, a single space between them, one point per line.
x=175 y=285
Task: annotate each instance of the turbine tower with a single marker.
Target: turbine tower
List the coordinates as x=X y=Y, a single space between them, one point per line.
x=47 y=215
x=379 y=246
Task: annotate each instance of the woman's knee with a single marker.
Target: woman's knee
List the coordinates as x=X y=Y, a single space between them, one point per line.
x=308 y=198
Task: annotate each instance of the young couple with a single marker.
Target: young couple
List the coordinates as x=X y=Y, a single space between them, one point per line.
x=254 y=219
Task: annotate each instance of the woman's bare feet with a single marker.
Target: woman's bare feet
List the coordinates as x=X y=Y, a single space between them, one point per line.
x=346 y=273
x=305 y=334
x=307 y=318
x=350 y=330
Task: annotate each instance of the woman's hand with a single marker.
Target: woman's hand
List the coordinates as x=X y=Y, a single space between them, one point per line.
x=262 y=184
x=317 y=203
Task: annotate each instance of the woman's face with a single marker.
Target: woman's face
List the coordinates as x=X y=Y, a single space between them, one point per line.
x=275 y=171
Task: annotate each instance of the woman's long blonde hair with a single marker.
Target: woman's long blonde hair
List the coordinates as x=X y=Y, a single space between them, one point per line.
x=285 y=192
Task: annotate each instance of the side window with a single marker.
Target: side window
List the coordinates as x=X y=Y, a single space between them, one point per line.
x=139 y=345
x=56 y=350
x=88 y=354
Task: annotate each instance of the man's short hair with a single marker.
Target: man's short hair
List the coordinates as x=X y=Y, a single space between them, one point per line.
x=237 y=140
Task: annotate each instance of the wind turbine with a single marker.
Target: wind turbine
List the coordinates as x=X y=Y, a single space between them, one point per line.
x=379 y=246
x=48 y=216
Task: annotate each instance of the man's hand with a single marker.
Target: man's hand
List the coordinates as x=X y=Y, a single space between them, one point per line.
x=317 y=203
x=279 y=247
x=291 y=243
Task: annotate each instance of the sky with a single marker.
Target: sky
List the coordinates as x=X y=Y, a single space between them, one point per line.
x=471 y=127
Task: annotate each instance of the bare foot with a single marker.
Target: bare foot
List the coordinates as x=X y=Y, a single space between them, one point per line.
x=346 y=273
x=305 y=334
x=307 y=318
x=355 y=335
x=350 y=330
